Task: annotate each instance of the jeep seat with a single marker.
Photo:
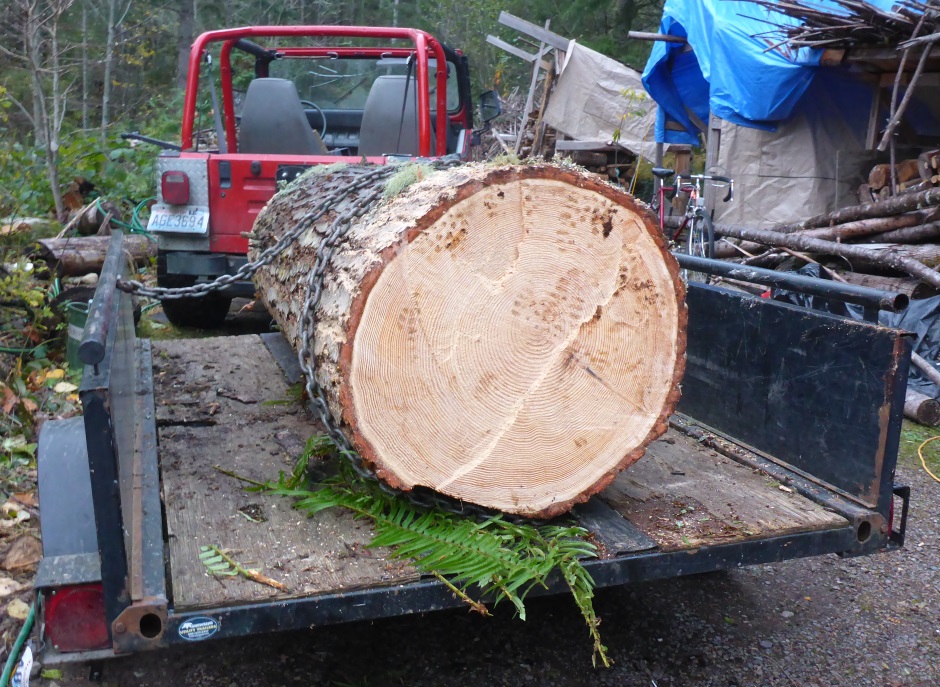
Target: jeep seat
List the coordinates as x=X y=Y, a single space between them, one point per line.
x=274 y=122
x=389 y=118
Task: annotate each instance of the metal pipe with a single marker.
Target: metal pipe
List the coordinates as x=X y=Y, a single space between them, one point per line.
x=847 y=293
x=91 y=350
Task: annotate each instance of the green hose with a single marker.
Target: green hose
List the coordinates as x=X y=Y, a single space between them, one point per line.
x=17 y=646
x=135 y=226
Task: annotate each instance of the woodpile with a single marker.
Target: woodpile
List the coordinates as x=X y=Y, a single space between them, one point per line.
x=851 y=23
x=509 y=336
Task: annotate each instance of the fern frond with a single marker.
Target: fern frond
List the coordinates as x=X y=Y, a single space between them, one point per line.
x=502 y=560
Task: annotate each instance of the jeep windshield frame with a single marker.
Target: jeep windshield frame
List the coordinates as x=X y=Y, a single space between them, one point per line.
x=424 y=48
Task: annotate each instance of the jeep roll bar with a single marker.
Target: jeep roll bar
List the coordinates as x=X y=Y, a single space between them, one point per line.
x=424 y=45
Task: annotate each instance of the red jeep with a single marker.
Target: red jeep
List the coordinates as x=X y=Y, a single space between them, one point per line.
x=311 y=95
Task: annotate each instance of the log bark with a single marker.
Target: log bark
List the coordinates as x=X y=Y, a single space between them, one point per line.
x=510 y=336
x=914 y=289
x=80 y=255
x=867 y=227
x=915 y=234
x=907 y=259
x=921 y=408
x=906 y=170
x=891 y=206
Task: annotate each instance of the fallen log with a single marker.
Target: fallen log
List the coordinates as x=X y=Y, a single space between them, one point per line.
x=868 y=227
x=913 y=288
x=913 y=234
x=78 y=255
x=922 y=364
x=921 y=408
x=892 y=206
x=905 y=259
x=510 y=336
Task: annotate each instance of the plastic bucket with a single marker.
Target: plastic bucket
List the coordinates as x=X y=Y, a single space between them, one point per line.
x=77 y=316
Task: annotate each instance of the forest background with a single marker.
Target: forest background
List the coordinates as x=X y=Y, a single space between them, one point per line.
x=74 y=74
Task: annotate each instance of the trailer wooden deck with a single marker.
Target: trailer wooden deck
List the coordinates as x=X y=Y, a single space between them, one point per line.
x=226 y=402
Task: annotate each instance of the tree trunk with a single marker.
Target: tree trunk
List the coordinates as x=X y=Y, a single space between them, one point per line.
x=108 y=67
x=509 y=336
x=85 y=66
x=921 y=408
x=80 y=255
x=184 y=41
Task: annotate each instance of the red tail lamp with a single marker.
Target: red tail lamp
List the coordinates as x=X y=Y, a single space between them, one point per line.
x=75 y=618
x=175 y=188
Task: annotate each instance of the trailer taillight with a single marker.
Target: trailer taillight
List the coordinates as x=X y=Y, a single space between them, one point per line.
x=75 y=618
x=175 y=188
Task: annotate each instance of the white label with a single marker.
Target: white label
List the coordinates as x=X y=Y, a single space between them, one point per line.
x=179 y=219
x=21 y=676
x=196 y=629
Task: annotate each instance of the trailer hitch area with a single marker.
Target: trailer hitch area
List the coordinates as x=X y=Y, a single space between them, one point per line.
x=896 y=538
x=140 y=626
x=869 y=528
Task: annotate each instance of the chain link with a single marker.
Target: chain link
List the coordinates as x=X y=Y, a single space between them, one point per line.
x=424 y=499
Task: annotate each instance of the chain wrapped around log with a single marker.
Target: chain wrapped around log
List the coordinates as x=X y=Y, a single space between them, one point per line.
x=509 y=336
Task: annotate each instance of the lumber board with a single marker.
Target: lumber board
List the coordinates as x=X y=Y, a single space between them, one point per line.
x=323 y=554
x=534 y=30
x=685 y=496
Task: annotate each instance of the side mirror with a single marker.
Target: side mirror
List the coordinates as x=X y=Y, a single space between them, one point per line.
x=490 y=108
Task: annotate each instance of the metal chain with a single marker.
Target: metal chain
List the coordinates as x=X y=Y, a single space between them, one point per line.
x=247 y=271
x=425 y=499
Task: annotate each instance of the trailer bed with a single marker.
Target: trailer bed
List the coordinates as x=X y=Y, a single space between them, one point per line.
x=227 y=403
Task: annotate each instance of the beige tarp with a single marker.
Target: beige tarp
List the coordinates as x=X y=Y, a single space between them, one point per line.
x=812 y=164
x=595 y=96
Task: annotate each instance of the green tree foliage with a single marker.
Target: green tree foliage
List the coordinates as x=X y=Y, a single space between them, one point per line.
x=152 y=39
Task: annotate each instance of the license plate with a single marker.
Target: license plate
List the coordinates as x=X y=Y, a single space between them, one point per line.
x=187 y=219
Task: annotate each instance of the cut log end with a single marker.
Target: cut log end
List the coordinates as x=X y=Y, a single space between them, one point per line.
x=512 y=337
x=521 y=349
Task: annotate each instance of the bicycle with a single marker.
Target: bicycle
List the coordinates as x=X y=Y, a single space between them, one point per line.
x=700 y=238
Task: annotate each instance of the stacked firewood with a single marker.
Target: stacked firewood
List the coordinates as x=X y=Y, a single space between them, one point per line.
x=857 y=23
x=910 y=176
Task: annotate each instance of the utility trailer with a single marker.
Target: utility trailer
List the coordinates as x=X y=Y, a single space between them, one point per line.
x=784 y=447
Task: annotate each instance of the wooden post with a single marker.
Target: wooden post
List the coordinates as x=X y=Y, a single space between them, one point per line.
x=712 y=150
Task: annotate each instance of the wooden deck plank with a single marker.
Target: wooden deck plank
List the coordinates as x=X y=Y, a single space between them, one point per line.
x=211 y=410
x=683 y=495
x=323 y=554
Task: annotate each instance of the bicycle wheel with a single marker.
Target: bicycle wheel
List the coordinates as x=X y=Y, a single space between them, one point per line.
x=701 y=243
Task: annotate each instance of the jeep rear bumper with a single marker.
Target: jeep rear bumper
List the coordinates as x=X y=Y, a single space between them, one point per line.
x=203 y=267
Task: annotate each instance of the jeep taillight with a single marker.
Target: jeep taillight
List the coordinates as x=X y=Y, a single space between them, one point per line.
x=175 y=188
x=75 y=618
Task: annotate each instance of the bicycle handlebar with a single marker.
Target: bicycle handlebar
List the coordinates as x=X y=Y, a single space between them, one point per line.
x=716 y=178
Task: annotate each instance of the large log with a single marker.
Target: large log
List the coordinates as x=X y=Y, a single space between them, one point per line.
x=509 y=336
x=80 y=255
x=921 y=408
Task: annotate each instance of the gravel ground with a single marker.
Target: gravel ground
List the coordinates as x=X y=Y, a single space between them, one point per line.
x=872 y=621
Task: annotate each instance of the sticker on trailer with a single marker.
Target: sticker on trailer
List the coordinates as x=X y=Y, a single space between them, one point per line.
x=178 y=219
x=197 y=629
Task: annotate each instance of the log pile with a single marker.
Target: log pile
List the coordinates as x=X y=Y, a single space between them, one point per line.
x=509 y=336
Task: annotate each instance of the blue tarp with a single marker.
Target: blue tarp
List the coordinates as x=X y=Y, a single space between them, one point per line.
x=729 y=70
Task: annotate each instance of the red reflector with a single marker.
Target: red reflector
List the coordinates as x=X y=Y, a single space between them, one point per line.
x=175 y=188
x=75 y=619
